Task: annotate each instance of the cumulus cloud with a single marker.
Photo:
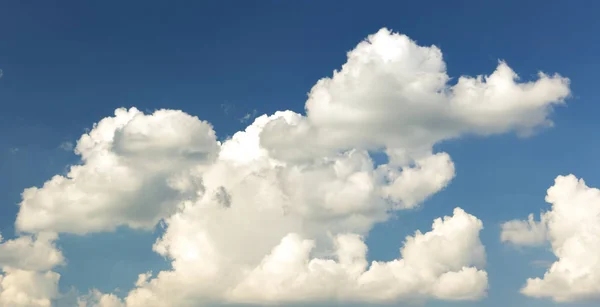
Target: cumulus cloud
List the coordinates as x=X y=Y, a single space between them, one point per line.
x=24 y=288
x=98 y=299
x=525 y=233
x=438 y=264
x=26 y=279
x=411 y=186
x=573 y=230
x=133 y=174
x=392 y=93
x=37 y=253
x=442 y=264
x=278 y=212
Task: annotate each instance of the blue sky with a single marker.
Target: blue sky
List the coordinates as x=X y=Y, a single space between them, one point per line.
x=68 y=64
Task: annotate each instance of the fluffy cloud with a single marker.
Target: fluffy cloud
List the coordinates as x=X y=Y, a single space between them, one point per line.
x=278 y=212
x=23 y=288
x=26 y=279
x=442 y=264
x=98 y=299
x=572 y=226
x=393 y=94
x=37 y=253
x=439 y=263
x=525 y=233
x=411 y=186
x=133 y=174
x=253 y=211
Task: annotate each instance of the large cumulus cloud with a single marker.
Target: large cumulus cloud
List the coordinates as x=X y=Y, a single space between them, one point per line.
x=394 y=94
x=441 y=263
x=278 y=213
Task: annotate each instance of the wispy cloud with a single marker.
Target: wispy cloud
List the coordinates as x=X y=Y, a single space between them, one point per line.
x=248 y=116
x=66 y=146
x=227 y=107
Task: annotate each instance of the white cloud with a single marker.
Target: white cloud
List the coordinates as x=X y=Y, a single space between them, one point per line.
x=411 y=186
x=23 y=288
x=393 y=94
x=439 y=264
x=526 y=233
x=25 y=277
x=133 y=173
x=277 y=213
x=435 y=264
x=98 y=299
x=573 y=230
x=37 y=253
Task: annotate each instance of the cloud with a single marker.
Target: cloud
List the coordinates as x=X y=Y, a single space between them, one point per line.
x=525 y=233
x=278 y=212
x=37 y=253
x=97 y=299
x=393 y=94
x=435 y=264
x=26 y=279
x=411 y=186
x=573 y=230
x=439 y=264
x=23 y=288
x=66 y=146
x=248 y=116
x=133 y=173
x=227 y=107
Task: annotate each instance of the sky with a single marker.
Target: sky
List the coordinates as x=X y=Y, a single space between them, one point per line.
x=249 y=153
